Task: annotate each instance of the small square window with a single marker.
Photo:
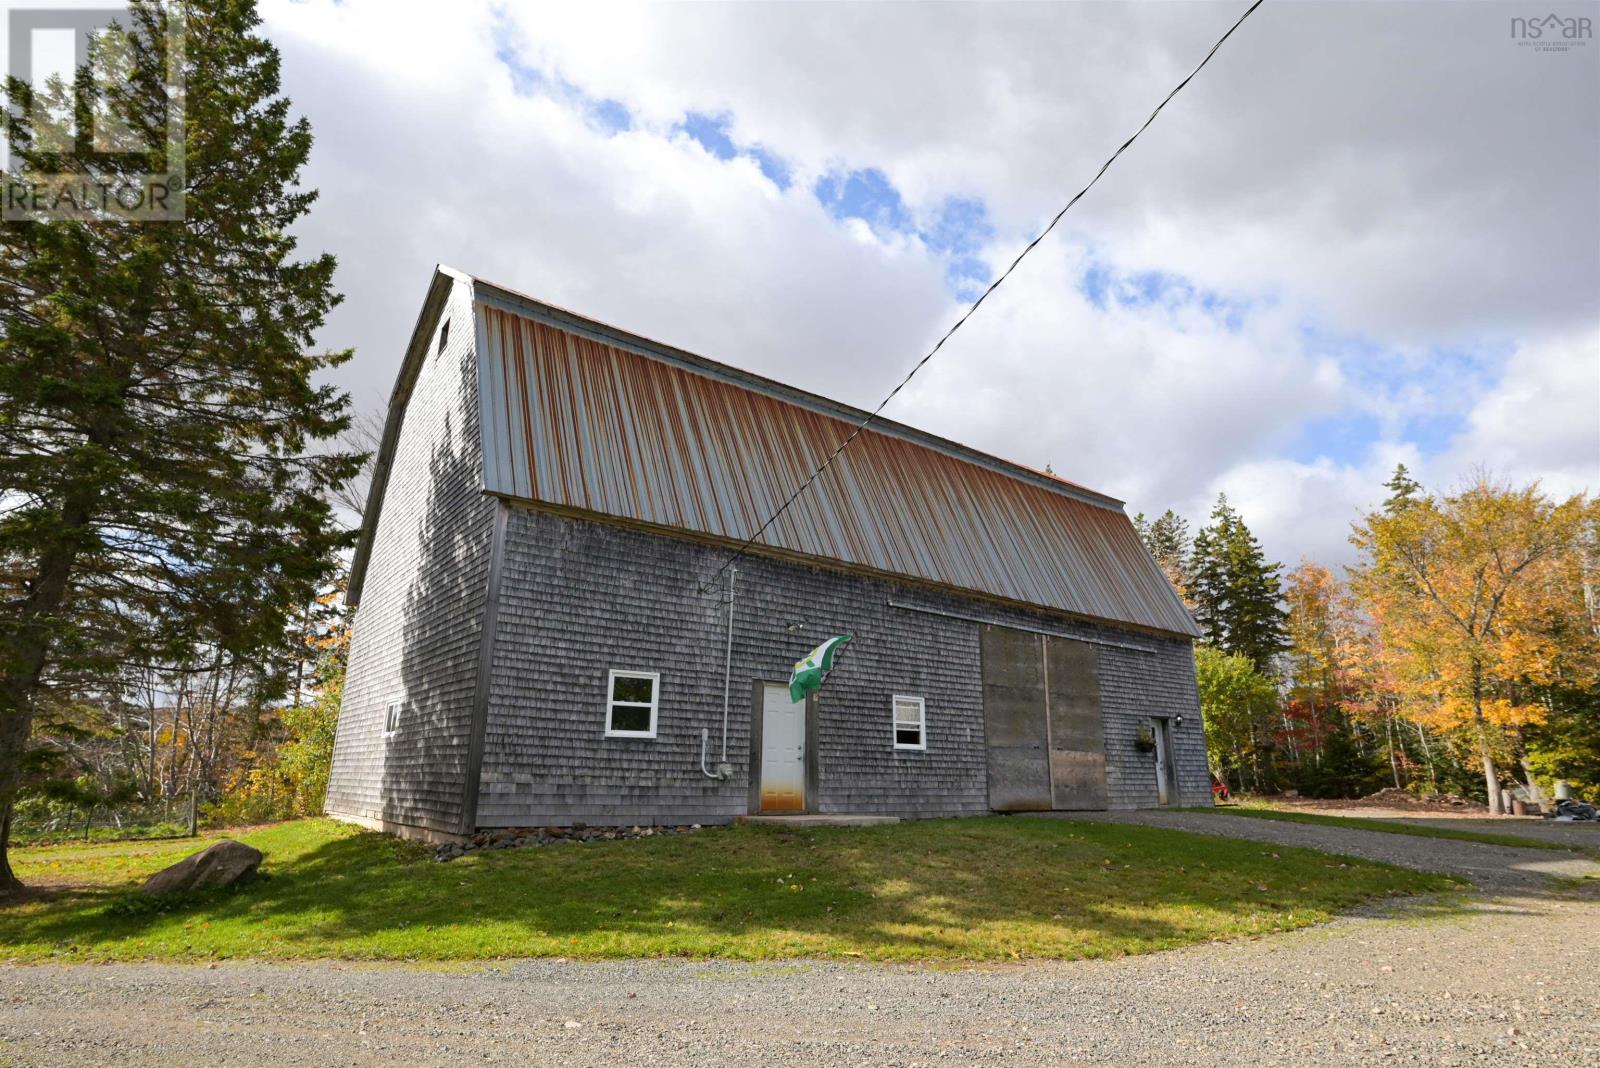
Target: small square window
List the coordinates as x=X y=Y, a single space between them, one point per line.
x=910 y=723
x=631 y=698
x=391 y=718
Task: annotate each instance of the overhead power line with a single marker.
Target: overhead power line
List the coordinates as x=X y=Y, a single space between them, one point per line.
x=1029 y=247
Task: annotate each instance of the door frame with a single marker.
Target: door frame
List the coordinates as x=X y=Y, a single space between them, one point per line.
x=757 y=693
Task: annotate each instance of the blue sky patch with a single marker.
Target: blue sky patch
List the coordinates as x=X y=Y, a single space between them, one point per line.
x=609 y=116
x=711 y=132
x=1419 y=396
x=772 y=165
x=957 y=231
x=1103 y=285
x=867 y=195
x=1343 y=438
x=1096 y=284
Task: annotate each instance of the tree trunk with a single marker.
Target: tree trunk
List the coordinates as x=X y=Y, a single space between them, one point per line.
x=1534 y=793
x=1427 y=754
x=25 y=649
x=8 y=880
x=1490 y=779
x=1394 y=766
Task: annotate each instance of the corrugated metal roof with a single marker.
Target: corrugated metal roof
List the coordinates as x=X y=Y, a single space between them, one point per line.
x=581 y=416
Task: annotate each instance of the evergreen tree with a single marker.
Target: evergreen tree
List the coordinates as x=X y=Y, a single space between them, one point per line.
x=1237 y=592
x=1403 y=490
x=1167 y=539
x=159 y=427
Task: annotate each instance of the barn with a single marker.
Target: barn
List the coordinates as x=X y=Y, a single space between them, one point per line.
x=548 y=630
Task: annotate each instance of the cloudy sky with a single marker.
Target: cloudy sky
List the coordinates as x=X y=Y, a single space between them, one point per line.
x=1367 y=233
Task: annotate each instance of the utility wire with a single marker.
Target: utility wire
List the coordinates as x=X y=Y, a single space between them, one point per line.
x=751 y=540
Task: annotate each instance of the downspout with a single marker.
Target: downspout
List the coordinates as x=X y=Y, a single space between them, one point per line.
x=724 y=769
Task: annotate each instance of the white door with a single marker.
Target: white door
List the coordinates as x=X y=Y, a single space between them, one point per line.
x=1158 y=727
x=783 y=751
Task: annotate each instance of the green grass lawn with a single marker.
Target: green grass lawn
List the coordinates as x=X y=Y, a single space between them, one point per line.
x=977 y=889
x=1389 y=827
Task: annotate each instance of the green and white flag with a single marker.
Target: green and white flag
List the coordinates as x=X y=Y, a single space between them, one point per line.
x=808 y=673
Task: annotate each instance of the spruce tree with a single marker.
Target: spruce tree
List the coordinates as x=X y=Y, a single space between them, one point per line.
x=1167 y=539
x=1208 y=570
x=1403 y=490
x=1237 y=592
x=160 y=428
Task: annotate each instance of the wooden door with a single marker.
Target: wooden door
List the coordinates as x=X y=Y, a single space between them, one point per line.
x=1041 y=712
x=1014 y=721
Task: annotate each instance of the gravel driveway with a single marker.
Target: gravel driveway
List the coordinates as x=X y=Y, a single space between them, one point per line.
x=1508 y=980
x=1502 y=984
x=1497 y=869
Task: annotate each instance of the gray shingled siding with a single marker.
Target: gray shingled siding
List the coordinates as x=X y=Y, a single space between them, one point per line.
x=578 y=598
x=417 y=630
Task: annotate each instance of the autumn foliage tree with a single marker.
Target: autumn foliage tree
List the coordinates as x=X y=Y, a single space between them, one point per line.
x=1473 y=599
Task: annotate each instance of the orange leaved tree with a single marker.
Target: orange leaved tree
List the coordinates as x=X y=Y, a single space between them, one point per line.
x=1463 y=590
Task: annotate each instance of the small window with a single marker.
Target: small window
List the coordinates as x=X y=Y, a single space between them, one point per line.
x=444 y=335
x=391 y=718
x=631 y=704
x=910 y=723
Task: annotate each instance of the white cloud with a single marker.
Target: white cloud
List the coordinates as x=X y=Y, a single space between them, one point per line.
x=1404 y=168
x=1144 y=401
x=1399 y=174
x=1541 y=420
x=639 y=228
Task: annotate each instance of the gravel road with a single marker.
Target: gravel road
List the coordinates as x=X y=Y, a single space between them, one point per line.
x=1580 y=834
x=1503 y=980
x=1497 y=869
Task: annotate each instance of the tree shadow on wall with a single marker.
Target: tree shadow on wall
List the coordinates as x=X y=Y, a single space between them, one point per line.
x=425 y=757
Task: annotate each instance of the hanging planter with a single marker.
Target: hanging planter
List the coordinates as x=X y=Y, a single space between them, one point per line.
x=1145 y=740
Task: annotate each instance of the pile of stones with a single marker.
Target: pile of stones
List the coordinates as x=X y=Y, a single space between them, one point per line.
x=517 y=837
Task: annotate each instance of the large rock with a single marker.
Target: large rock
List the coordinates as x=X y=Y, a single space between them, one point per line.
x=223 y=864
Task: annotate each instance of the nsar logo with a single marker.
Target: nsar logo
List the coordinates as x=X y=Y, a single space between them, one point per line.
x=1552 y=33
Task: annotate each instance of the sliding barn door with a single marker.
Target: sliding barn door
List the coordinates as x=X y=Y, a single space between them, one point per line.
x=1077 y=735
x=1041 y=706
x=1013 y=714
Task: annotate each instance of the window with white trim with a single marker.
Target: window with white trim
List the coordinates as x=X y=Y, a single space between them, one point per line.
x=910 y=722
x=631 y=698
x=391 y=718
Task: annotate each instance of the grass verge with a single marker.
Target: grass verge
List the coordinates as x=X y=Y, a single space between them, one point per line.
x=1392 y=827
x=976 y=889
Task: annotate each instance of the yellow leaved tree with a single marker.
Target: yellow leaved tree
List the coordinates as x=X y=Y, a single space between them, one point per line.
x=1472 y=598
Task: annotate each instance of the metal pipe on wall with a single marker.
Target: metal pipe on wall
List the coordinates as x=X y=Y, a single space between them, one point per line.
x=724 y=769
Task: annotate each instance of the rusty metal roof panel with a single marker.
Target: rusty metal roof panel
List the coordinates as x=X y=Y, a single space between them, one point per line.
x=582 y=416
